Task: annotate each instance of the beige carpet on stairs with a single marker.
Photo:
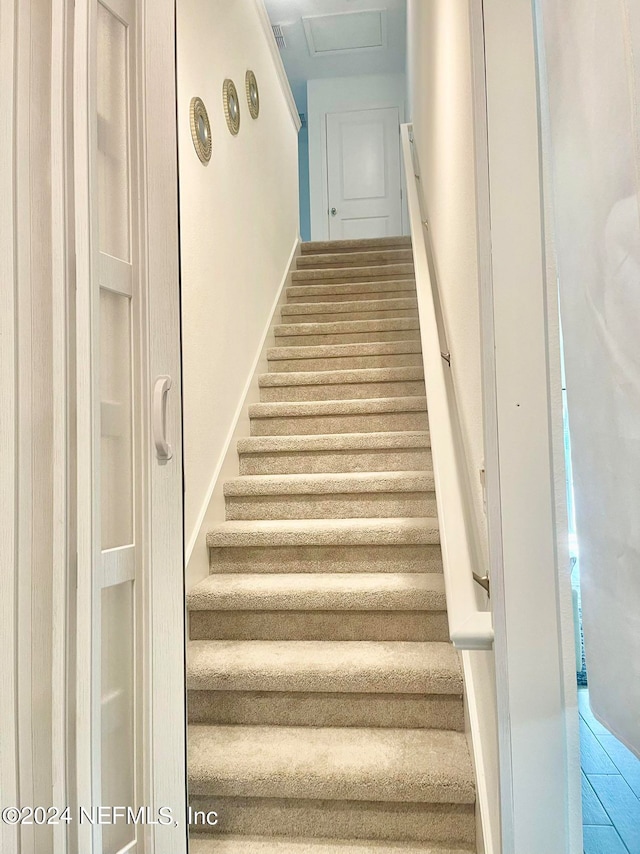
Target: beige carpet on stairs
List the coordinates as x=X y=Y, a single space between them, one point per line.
x=325 y=700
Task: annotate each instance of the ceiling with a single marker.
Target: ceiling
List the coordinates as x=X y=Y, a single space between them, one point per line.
x=348 y=36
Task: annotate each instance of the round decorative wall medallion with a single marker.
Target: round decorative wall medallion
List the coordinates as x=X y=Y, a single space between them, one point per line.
x=231 y=106
x=200 y=129
x=253 y=96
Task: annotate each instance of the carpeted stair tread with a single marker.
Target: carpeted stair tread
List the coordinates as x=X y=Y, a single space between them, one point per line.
x=386 y=667
x=335 y=351
x=333 y=763
x=357 y=258
x=360 y=383
x=301 y=591
x=389 y=304
x=329 y=532
x=370 y=406
x=222 y=844
x=328 y=484
x=351 y=415
x=348 y=356
x=335 y=442
x=355 y=291
x=356 y=274
x=344 y=327
x=346 y=377
x=315 y=247
x=387 y=309
x=335 y=452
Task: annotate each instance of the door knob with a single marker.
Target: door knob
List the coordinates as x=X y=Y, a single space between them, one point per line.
x=333 y=211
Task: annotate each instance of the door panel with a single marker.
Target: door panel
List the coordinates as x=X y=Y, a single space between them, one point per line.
x=357 y=229
x=119 y=286
x=116 y=433
x=110 y=388
x=363 y=172
x=117 y=733
x=363 y=160
x=113 y=101
x=127 y=333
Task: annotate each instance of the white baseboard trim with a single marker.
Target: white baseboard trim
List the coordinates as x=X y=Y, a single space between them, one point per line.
x=482 y=737
x=227 y=465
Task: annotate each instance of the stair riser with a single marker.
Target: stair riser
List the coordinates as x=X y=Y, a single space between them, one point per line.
x=314 y=425
x=333 y=351
x=260 y=708
x=384 y=290
x=383 y=505
x=316 y=340
x=346 y=363
x=444 y=823
x=332 y=316
x=377 y=302
x=239 y=844
x=400 y=558
x=319 y=625
x=386 y=273
x=390 y=273
x=369 y=244
x=342 y=391
x=354 y=259
x=346 y=327
x=318 y=462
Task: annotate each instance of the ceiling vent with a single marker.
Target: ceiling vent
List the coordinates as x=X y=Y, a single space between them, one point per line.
x=346 y=32
x=279 y=35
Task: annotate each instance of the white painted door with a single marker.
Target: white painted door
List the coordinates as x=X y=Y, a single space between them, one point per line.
x=363 y=174
x=130 y=632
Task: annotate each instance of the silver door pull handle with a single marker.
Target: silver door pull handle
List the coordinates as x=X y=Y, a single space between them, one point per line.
x=333 y=211
x=159 y=418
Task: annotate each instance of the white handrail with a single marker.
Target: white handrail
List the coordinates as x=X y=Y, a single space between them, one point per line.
x=470 y=627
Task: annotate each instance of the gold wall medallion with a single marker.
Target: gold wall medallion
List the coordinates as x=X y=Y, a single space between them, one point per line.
x=200 y=129
x=231 y=106
x=253 y=96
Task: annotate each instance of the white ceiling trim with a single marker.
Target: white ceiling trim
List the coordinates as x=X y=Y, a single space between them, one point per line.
x=265 y=23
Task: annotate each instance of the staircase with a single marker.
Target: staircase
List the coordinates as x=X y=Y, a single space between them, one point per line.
x=325 y=701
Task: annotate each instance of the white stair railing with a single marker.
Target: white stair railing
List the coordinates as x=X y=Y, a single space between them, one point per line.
x=470 y=626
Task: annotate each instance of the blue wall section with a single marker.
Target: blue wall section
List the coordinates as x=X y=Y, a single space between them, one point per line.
x=303 y=171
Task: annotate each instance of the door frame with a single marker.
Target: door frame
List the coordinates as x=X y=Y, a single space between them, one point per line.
x=64 y=544
x=537 y=717
x=337 y=95
x=166 y=633
x=9 y=578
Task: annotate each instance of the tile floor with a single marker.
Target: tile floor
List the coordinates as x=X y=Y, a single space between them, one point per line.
x=610 y=788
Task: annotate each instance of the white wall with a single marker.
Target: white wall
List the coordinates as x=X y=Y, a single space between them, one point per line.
x=439 y=72
x=567 y=628
x=534 y=666
x=335 y=95
x=537 y=680
x=439 y=77
x=239 y=223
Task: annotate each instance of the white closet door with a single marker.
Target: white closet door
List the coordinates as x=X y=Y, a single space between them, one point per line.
x=363 y=172
x=119 y=470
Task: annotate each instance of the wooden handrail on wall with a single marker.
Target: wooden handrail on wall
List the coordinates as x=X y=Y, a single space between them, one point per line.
x=470 y=625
